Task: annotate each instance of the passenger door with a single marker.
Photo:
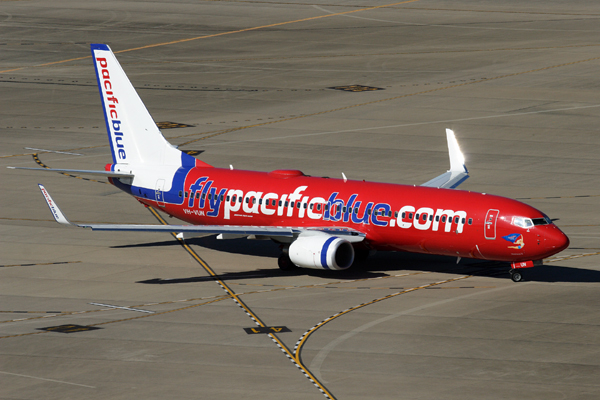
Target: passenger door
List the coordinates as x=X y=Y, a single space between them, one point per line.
x=490 y=224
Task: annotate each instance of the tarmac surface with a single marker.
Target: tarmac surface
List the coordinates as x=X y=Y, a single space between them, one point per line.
x=250 y=84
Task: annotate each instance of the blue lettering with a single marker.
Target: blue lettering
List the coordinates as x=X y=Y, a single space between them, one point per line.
x=349 y=209
x=215 y=202
x=365 y=218
x=194 y=188
x=204 y=191
x=333 y=203
x=380 y=207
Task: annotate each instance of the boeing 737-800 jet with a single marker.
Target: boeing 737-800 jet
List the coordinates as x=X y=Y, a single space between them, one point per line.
x=318 y=221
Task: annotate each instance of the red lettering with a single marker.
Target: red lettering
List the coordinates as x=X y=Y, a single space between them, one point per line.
x=102 y=62
x=105 y=74
x=107 y=85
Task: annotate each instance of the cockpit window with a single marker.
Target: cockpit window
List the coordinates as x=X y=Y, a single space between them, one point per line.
x=522 y=222
x=542 y=221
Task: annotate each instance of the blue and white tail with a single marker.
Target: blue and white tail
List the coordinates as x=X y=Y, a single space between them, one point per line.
x=134 y=138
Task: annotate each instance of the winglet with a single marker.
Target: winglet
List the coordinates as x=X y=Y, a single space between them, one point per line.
x=56 y=213
x=458 y=172
x=457 y=159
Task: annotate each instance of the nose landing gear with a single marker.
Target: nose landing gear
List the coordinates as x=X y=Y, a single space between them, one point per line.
x=515 y=275
x=516 y=268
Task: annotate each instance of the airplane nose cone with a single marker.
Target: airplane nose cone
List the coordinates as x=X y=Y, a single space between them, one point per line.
x=555 y=240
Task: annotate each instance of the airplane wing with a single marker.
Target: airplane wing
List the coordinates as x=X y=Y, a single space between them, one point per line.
x=225 y=231
x=457 y=173
x=107 y=174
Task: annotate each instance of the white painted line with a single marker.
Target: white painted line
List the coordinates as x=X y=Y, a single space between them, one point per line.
x=122 y=308
x=53 y=151
x=49 y=380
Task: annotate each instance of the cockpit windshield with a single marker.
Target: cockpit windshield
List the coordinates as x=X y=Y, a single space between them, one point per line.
x=524 y=222
x=542 y=221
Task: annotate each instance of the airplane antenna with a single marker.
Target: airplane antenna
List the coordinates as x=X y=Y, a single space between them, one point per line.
x=231 y=167
x=344 y=176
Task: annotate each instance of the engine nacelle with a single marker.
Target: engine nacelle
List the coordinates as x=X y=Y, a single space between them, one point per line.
x=321 y=251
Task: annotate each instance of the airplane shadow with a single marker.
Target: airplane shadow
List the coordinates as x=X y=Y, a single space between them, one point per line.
x=377 y=265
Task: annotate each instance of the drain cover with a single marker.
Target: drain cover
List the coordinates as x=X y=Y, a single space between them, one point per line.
x=171 y=125
x=356 y=88
x=69 y=328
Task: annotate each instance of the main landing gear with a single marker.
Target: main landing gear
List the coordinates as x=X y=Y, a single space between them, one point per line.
x=284 y=262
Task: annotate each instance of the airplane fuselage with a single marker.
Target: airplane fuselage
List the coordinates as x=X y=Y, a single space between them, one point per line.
x=393 y=217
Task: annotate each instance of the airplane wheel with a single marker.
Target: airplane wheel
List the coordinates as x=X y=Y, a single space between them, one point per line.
x=516 y=276
x=284 y=263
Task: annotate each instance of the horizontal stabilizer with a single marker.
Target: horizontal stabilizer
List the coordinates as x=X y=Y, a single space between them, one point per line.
x=107 y=174
x=457 y=173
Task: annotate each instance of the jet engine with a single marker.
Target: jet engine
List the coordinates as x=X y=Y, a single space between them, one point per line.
x=321 y=251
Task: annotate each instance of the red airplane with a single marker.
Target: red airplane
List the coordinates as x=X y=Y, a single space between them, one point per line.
x=319 y=222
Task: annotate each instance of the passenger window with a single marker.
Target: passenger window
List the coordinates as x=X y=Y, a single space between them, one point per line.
x=198 y=195
x=410 y=215
x=403 y=215
x=470 y=221
x=417 y=216
x=444 y=218
x=437 y=218
x=396 y=214
x=180 y=193
x=431 y=217
x=186 y=195
x=222 y=197
x=227 y=198
x=274 y=203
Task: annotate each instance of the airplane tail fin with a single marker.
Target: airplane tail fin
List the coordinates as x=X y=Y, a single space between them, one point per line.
x=133 y=135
